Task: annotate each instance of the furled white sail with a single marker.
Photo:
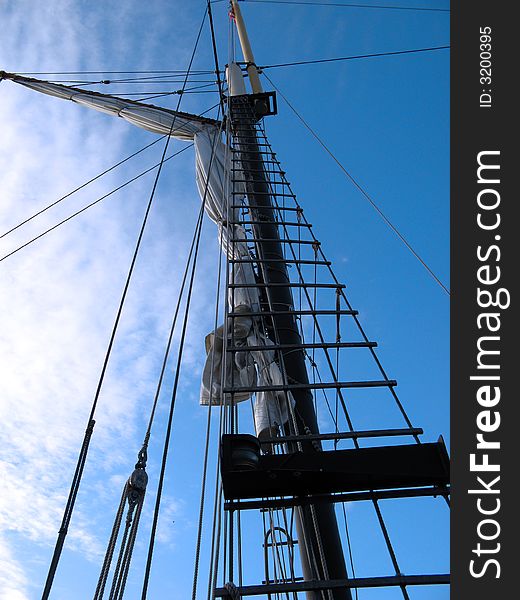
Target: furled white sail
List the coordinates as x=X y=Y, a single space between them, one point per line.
x=244 y=369
x=180 y=125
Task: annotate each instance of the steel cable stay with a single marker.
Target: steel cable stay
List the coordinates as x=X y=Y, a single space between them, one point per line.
x=74 y=488
x=163 y=79
x=215 y=326
x=86 y=183
x=94 y=202
x=347 y=5
x=176 y=382
x=80 y=187
x=131 y=491
x=358 y=186
x=353 y=57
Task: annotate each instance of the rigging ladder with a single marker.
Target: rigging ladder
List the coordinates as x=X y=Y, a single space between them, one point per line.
x=269 y=474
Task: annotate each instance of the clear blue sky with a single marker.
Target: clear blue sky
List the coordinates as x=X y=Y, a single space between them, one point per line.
x=386 y=119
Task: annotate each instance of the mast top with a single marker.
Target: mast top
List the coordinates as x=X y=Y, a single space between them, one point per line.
x=263 y=103
x=252 y=69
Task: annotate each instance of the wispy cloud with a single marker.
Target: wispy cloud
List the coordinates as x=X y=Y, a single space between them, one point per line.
x=59 y=296
x=12 y=577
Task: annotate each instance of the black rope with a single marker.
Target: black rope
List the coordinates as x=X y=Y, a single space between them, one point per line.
x=179 y=72
x=176 y=382
x=355 y=57
x=200 y=84
x=69 y=507
x=122 y=568
x=215 y=58
x=86 y=442
x=147 y=95
x=34 y=239
x=102 y=197
x=133 y=497
x=172 y=327
x=157 y=79
x=81 y=462
x=358 y=186
x=36 y=214
x=217 y=498
x=348 y=5
x=100 y=588
x=174 y=392
x=207 y=441
x=349 y=545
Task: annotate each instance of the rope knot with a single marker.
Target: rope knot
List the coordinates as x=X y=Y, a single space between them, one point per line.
x=232 y=591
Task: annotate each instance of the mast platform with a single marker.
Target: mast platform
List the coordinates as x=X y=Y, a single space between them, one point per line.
x=246 y=473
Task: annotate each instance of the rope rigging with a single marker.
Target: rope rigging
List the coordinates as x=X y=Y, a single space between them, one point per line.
x=361 y=189
x=91 y=422
x=80 y=187
x=215 y=326
x=334 y=373
x=86 y=183
x=93 y=203
x=174 y=393
x=179 y=357
x=143 y=453
x=218 y=72
x=88 y=434
x=277 y=527
x=354 y=57
x=133 y=495
x=348 y=5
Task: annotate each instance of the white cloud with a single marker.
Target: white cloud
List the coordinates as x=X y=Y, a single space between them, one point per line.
x=58 y=299
x=12 y=578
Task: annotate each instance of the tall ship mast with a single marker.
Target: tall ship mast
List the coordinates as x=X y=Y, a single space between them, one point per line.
x=287 y=365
